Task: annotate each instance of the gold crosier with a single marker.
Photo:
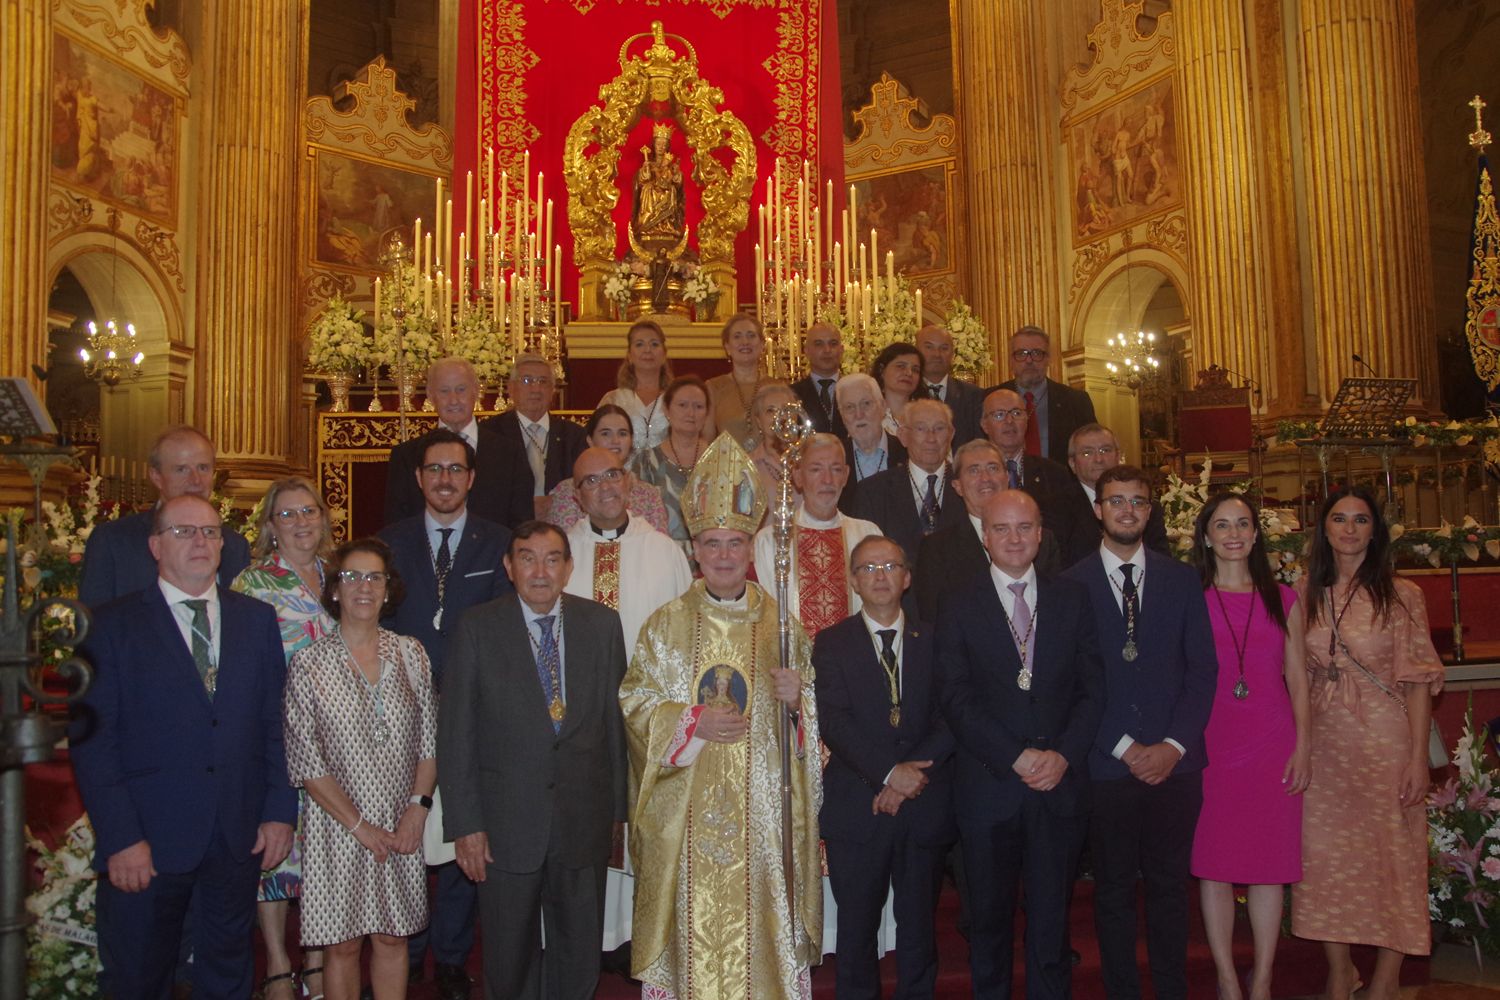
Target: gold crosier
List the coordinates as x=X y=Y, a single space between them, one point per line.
x=663 y=85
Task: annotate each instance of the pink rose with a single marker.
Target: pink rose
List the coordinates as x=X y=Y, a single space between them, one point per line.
x=1491 y=867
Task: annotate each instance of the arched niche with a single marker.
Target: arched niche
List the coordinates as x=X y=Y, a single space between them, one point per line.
x=1140 y=289
x=124 y=286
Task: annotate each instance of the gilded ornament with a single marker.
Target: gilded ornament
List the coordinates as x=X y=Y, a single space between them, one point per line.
x=1483 y=299
x=161 y=246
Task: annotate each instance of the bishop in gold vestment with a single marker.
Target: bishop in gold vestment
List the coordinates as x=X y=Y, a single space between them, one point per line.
x=711 y=910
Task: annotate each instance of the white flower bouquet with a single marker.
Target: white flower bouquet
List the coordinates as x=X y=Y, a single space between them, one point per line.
x=337 y=343
x=62 y=953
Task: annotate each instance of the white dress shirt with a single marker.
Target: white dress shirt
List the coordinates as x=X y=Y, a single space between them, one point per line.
x=183 y=615
x=918 y=477
x=435 y=538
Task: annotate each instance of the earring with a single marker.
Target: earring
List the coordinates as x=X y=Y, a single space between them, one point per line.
x=1208 y=545
x=335 y=598
x=275 y=542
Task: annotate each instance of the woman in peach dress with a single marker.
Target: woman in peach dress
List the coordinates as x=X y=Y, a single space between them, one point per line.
x=1373 y=673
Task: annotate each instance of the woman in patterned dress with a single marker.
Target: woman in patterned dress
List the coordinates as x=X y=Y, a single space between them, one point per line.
x=610 y=428
x=667 y=465
x=361 y=735
x=1364 y=823
x=292 y=542
x=644 y=376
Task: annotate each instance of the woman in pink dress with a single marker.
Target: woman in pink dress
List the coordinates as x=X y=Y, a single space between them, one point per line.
x=1250 y=829
x=1364 y=823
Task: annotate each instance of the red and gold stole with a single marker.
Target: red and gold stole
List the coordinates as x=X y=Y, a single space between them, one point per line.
x=607 y=573
x=822 y=578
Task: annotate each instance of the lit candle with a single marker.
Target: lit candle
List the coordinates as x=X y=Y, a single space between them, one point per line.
x=864 y=260
x=427 y=262
x=919 y=308
x=416 y=244
x=546 y=233
x=376 y=320
x=446 y=249
x=447 y=307
x=890 y=275
x=854 y=208
x=838 y=273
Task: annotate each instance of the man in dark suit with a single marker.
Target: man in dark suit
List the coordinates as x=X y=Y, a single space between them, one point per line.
x=965 y=399
x=887 y=815
x=912 y=501
x=531 y=760
x=1148 y=756
x=450 y=560
x=868 y=449
x=117 y=560
x=502 y=478
x=1023 y=690
x=1056 y=410
x=1091 y=450
x=1005 y=422
x=551 y=446
x=197 y=807
x=824 y=349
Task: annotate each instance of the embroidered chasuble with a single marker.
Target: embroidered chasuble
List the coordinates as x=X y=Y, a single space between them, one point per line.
x=607 y=573
x=648 y=570
x=821 y=578
x=711 y=917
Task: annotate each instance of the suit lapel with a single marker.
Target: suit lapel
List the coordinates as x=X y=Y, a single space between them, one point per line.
x=576 y=649
x=916 y=682
x=993 y=620
x=162 y=624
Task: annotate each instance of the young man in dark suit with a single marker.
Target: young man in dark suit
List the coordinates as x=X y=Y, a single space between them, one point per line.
x=192 y=809
x=551 y=446
x=1148 y=757
x=450 y=560
x=117 y=560
x=1056 y=410
x=965 y=399
x=532 y=763
x=502 y=478
x=1091 y=450
x=824 y=349
x=912 y=501
x=887 y=815
x=1023 y=690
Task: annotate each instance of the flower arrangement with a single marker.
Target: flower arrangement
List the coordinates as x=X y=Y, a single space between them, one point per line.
x=971 y=341
x=699 y=288
x=478 y=338
x=896 y=321
x=617 y=285
x=416 y=338
x=1447 y=543
x=62 y=957
x=1454 y=433
x=1463 y=846
x=337 y=343
x=1181 y=501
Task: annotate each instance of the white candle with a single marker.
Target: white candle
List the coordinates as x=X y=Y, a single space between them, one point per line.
x=468 y=202
x=547 y=235
x=416 y=244
x=541 y=182
x=890 y=275
x=376 y=319
x=447 y=244
x=489 y=180
x=504 y=204
x=918 y=296
x=479 y=240
x=523 y=218
x=437 y=217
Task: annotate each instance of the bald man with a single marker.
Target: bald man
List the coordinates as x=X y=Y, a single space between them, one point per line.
x=963 y=398
x=823 y=347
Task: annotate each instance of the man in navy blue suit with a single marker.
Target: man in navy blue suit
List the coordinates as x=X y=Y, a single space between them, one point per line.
x=177 y=751
x=1023 y=690
x=450 y=560
x=117 y=560
x=1147 y=760
x=887 y=815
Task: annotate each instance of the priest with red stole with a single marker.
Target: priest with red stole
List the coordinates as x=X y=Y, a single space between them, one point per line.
x=819 y=593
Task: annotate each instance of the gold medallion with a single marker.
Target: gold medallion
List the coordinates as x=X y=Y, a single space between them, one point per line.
x=1129 y=653
x=896 y=717
x=557 y=709
x=1023 y=679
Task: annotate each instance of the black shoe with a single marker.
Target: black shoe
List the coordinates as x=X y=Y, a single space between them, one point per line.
x=453 y=982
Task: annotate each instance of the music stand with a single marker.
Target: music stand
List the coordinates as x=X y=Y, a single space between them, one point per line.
x=1367 y=407
x=23 y=416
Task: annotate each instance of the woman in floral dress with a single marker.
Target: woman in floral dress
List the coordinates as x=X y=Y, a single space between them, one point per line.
x=292 y=542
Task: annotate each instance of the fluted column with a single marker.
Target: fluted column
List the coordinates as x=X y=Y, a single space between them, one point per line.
x=25 y=65
x=1362 y=168
x=1013 y=274
x=245 y=379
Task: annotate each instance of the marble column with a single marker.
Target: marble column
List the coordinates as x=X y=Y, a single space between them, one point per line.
x=25 y=68
x=1013 y=262
x=1369 y=260
x=245 y=372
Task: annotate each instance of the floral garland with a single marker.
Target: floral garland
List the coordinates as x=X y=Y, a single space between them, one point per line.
x=699 y=288
x=1448 y=543
x=1463 y=846
x=337 y=343
x=62 y=951
x=1454 y=433
x=971 y=341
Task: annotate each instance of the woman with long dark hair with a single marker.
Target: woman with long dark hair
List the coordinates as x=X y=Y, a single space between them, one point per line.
x=898 y=371
x=1250 y=829
x=1364 y=824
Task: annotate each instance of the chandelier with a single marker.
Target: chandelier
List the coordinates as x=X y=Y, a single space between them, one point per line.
x=1134 y=361
x=111 y=353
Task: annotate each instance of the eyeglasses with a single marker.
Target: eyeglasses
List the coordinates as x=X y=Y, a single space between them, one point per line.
x=1103 y=451
x=210 y=531
x=870 y=569
x=1029 y=353
x=534 y=379
x=1119 y=502
x=309 y=512
x=354 y=577
x=437 y=469
x=607 y=476
x=1015 y=413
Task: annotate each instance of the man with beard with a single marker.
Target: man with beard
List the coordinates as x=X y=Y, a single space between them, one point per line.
x=868 y=449
x=450 y=560
x=1147 y=760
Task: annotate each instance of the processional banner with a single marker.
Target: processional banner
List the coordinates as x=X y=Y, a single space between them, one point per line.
x=528 y=69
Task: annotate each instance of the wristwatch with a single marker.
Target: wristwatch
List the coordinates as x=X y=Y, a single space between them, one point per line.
x=425 y=801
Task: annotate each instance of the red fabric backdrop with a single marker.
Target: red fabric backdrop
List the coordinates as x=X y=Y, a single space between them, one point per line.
x=527 y=69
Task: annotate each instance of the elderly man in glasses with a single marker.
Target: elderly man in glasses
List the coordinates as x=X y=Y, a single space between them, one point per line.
x=450 y=560
x=551 y=446
x=1093 y=450
x=194 y=809
x=1054 y=409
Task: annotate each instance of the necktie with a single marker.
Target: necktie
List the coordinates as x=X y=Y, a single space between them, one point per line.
x=930 y=507
x=536 y=455
x=548 y=668
x=936 y=389
x=1033 y=432
x=825 y=395
x=1022 y=625
x=203 y=638
x=1130 y=600
x=443 y=561
x=1014 y=473
x=892 y=671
